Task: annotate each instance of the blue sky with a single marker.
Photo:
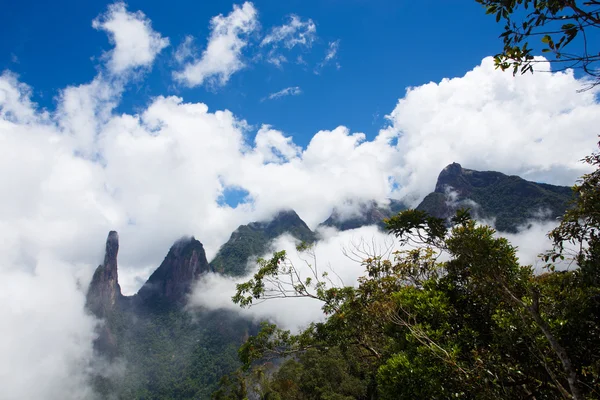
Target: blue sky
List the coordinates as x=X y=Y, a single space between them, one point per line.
x=300 y=104
x=384 y=47
x=163 y=119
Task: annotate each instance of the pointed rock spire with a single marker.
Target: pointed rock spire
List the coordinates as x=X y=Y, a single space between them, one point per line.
x=104 y=290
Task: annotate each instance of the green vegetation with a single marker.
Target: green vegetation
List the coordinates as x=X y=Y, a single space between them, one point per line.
x=510 y=200
x=476 y=326
x=254 y=239
x=556 y=24
x=171 y=353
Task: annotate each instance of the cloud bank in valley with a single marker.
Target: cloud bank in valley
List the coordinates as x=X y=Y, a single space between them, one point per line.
x=338 y=254
x=82 y=169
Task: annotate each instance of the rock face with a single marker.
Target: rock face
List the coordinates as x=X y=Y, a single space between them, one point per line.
x=173 y=279
x=170 y=282
x=104 y=291
x=509 y=201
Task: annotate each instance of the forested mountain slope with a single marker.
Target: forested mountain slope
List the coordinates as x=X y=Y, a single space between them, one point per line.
x=253 y=240
x=508 y=200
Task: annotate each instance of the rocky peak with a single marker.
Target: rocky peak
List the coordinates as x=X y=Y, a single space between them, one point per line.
x=453 y=176
x=173 y=279
x=283 y=222
x=510 y=200
x=104 y=290
x=112 y=250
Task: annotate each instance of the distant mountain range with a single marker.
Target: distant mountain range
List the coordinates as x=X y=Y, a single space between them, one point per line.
x=173 y=352
x=509 y=201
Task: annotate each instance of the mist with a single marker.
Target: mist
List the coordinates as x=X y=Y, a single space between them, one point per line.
x=339 y=253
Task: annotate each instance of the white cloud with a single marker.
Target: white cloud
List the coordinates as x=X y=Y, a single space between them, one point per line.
x=136 y=43
x=330 y=56
x=331 y=51
x=288 y=91
x=535 y=126
x=46 y=343
x=186 y=50
x=273 y=146
x=133 y=172
x=333 y=255
x=339 y=254
x=223 y=54
x=276 y=59
x=295 y=33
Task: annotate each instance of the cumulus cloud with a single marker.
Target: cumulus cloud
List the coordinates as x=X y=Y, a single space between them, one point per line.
x=535 y=126
x=136 y=44
x=58 y=197
x=273 y=146
x=288 y=91
x=160 y=174
x=223 y=55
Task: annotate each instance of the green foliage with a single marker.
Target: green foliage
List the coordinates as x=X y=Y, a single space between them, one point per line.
x=509 y=200
x=556 y=23
x=172 y=353
x=580 y=225
x=254 y=239
x=316 y=375
x=476 y=326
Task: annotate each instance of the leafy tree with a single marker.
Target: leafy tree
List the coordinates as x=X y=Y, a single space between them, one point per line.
x=557 y=24
x=580 y=225
x=476 y=325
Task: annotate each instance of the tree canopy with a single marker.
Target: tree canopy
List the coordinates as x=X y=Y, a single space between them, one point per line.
x=562 y=27
x=455 y=315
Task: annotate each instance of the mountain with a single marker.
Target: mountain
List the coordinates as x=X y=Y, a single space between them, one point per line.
x=161 y=348
x=104 y=296
x=510 y=200
x=252 y=240
x=368 y=213
x=104 y=291
x=169 y=350
x=173 y=279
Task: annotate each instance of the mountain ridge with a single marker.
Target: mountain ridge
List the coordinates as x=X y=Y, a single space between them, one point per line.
x=254 y=239
x=509 y=200
x=154 y=328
